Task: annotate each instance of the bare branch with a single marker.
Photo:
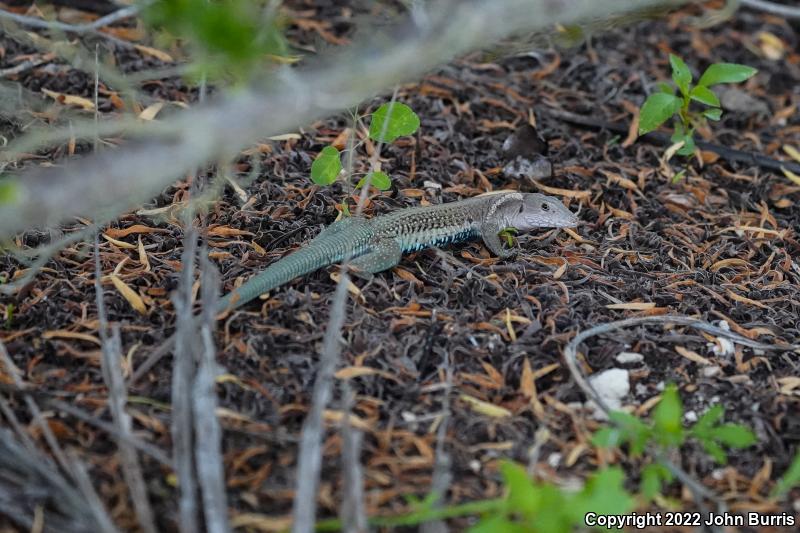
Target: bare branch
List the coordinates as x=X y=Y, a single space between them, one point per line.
x=92 y=27
x=353 y=512
x=310 y=454
x=129 y=176
x=182 y=376
x=208 y=434
x=773 y=9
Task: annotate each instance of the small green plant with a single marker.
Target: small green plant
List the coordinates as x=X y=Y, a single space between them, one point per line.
x=527 y=506
x=533 y=506
x=508 y=234
x=388 y=122
x=226 y=36
x=662 y=105
x=789 y=480
x=666 y=432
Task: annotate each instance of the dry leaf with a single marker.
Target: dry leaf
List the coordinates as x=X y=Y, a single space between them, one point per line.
x=150 y=112
x=563 y=192
x=260 y=522
x=794 y=178
x=355 y=421
x=485 y=408
x=226 y=231
x=692 y=356
x=632 y=306
x=129 y=294
x=771 y=46
x=64 y=334
x=69 y=99
x=143 y=260
x=788 y=384
x=121 y=244
x=285 y=137
x=351 y=287
x=792 y=152
x=729 y=263
x=138 y=228
x=158 y=54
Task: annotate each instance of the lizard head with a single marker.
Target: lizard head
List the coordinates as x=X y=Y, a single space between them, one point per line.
x=536 y=210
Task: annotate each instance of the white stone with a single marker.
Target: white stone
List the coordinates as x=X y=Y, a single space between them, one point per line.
x=629 y=358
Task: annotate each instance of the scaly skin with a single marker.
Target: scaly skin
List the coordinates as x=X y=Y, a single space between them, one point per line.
x=377 y=244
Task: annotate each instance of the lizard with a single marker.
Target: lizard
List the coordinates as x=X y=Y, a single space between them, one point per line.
x=377 y=244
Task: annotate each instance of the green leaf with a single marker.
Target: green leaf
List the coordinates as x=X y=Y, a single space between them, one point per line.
x=522 y=494
x=667 y=417
x=651 y=481
x=508 y=235
x=607 y=438
x=734 y=435
x=633 y=430
x=715 y=451
x=392 y=120
x=326 y=167
x=713 y=114
x=666 y=88
x=603 y=493
x=704 y=95
x=725 y=73
x=497 y=523
x=8 y=191
x=679 y=176
x=709 y=419
x=689 y=145
x=681 y=74
x=379 y=180
x=656 y=110
x=791 y=478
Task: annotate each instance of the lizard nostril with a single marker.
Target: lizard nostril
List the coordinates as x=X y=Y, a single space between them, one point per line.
x=545 y=207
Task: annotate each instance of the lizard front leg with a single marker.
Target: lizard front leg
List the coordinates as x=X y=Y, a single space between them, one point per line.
x=382 y=256
x=489 y=234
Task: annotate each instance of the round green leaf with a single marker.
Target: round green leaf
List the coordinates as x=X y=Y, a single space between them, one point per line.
x=681 y=74
x=326 y=167
x=656 y=110
x=704 y=95
x=379 y=180
x=725 y=73
x=391 y=121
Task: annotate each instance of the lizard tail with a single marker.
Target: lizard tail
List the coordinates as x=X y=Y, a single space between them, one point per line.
x=346 y=238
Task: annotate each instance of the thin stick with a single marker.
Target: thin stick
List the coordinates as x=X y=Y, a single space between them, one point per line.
x=772 y=8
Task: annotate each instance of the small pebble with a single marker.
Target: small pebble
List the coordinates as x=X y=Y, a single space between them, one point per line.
x=629 y=358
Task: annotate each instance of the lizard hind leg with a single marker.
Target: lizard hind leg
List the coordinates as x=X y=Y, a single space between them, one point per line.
x=382 y=256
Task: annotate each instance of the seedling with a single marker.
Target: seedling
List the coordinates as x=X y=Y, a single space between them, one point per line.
x=662 y=105
x=388 y=122
x=666 y=432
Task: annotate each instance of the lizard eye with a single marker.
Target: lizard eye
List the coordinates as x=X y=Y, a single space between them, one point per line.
x=545 y=207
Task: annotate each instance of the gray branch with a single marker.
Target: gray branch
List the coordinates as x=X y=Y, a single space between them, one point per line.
x=111 y=182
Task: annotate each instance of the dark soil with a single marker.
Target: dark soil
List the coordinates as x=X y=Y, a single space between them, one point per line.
x=692 y=248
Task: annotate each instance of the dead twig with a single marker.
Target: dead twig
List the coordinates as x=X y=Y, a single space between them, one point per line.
x=182 y=378
x=208 y=433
